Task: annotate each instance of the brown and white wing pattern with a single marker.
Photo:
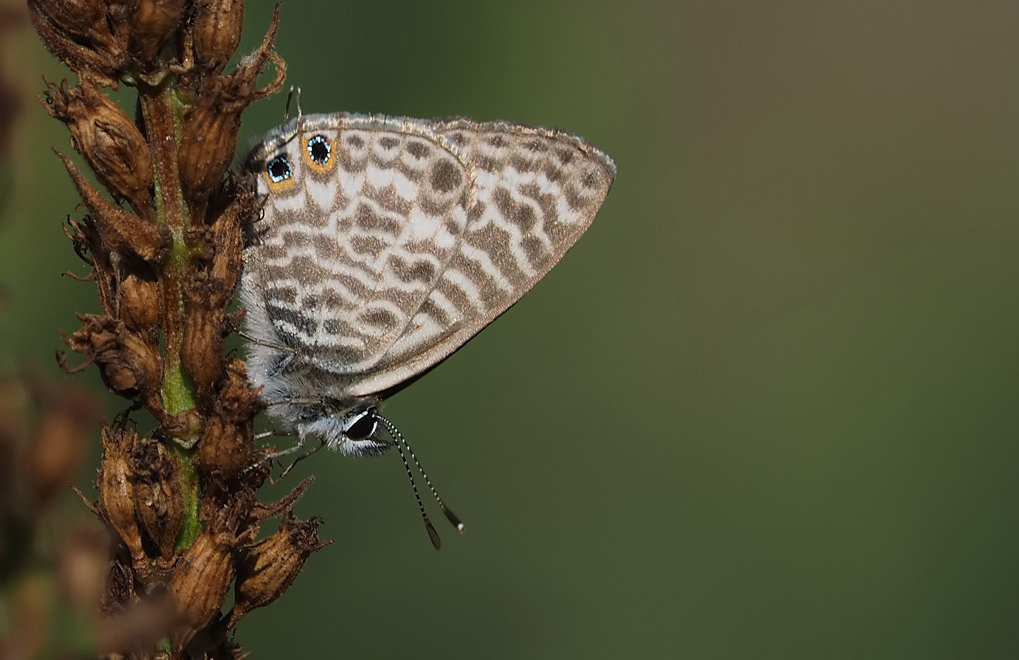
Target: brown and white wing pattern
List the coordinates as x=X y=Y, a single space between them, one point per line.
x=535 y=191
x=386 y=243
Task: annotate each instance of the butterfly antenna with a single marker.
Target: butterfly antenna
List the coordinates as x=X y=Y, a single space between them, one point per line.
x=450 y=516
x=432 y=534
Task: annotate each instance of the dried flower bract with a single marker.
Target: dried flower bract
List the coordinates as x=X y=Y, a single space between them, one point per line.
x=163 y=245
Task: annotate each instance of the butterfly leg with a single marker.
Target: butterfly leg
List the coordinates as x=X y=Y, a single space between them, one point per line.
x=271 y=456
x=321 y=444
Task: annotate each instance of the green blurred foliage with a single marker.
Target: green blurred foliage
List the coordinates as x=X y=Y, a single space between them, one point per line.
x=767 y=408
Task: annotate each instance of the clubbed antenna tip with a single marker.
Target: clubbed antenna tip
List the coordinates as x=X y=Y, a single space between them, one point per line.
x=400 y=443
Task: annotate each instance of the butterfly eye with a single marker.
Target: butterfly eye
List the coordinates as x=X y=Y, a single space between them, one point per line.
x=319 y=150
x=363 y=427
x=279 y=169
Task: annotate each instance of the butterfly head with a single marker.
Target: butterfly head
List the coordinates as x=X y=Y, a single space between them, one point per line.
x=354 y=432
x=357 y=431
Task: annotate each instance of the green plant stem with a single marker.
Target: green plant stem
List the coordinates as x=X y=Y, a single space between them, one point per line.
x=162 y=115
x=162 y=126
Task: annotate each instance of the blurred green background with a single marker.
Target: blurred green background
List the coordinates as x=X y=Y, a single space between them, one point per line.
x=768 y=407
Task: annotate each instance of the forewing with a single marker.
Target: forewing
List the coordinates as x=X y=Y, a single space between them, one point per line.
x=412 y=238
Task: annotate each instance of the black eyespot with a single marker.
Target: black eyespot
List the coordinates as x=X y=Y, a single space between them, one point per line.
x=279 y=169
x=363 y=427
x=319 y=149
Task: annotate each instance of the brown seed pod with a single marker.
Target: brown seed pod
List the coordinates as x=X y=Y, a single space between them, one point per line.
x=205 y=300
x=271 y=567
x=210 y=136
x=116 y=490
x=204 y=571
x=153 y=22
x=216 y=32
x=120 y=231
x=159 y=502
x=225 y=447
x=89 y=36
x=139 y=302
x=110 y=142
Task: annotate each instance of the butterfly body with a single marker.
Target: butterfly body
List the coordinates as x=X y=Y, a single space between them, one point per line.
x=387 y=243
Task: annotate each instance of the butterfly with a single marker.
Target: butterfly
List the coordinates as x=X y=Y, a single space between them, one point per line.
x=385 y=244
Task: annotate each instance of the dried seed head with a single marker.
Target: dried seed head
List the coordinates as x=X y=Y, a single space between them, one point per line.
x=236 y=401
x=205 y=300
x=89 y=36
x=86 y=22
x=140 y=307
x=261 y=512
x=153 y=23
x=226 y=235
x=159 y=502
x=204 y=572
x=207 y=296
x=209 y=143
x=210 y=135
x=175 y=51
x=199 y=584
x=128 y=364
x=225 y=448
x=120 y=587
x=273 y=564
x=116 y=490
x=110 y=142
x=216 y=32
x=185 y=427
x=120 y=231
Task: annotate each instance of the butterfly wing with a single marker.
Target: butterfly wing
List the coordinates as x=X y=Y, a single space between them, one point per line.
x=535 y=192
x=409 y=238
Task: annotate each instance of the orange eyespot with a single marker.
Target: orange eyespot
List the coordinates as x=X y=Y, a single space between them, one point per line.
x=318 y=153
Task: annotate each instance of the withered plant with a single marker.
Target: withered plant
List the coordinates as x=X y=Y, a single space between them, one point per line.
x=164 y=248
